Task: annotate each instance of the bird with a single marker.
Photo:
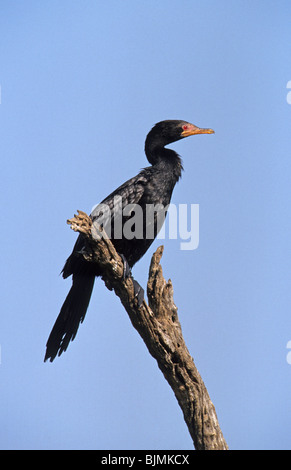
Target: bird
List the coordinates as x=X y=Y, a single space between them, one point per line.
x=153 y=185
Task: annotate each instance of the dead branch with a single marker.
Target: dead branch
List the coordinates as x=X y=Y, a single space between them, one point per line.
x=159 y=326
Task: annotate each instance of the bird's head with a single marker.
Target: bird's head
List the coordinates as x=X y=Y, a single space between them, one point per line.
x=166 y=132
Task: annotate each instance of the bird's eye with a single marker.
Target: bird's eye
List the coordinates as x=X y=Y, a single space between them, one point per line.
x=184 y=127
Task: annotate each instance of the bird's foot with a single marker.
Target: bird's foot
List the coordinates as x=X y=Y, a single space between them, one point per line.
x=126 y=268
x=138 y=290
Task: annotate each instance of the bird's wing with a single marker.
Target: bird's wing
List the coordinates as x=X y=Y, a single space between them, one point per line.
x=106 y=214
x=129 y=192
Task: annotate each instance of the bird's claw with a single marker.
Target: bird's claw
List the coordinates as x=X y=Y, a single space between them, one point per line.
x=138 y=292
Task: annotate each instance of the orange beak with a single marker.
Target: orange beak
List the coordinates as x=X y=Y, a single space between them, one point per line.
x=193 y=130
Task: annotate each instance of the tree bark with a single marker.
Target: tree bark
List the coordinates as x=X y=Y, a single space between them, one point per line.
x=158 y=324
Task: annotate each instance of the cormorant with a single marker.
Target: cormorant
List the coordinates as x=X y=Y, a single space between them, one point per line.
x=153 y=185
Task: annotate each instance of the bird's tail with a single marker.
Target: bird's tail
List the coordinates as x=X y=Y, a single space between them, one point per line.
x=71 y=315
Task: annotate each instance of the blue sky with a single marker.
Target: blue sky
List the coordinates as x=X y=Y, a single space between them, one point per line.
x=81 y=85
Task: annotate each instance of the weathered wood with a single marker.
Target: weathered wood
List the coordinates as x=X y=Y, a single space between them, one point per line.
x=158 y=324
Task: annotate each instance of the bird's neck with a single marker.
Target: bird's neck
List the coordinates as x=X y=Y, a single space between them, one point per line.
x=165 y=158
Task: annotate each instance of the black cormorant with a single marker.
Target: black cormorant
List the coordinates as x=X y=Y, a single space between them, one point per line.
x=152 y=186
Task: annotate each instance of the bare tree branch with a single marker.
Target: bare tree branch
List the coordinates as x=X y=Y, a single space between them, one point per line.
x=159 y=327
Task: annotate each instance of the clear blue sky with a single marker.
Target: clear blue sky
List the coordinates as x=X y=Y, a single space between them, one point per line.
x=81 y=84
